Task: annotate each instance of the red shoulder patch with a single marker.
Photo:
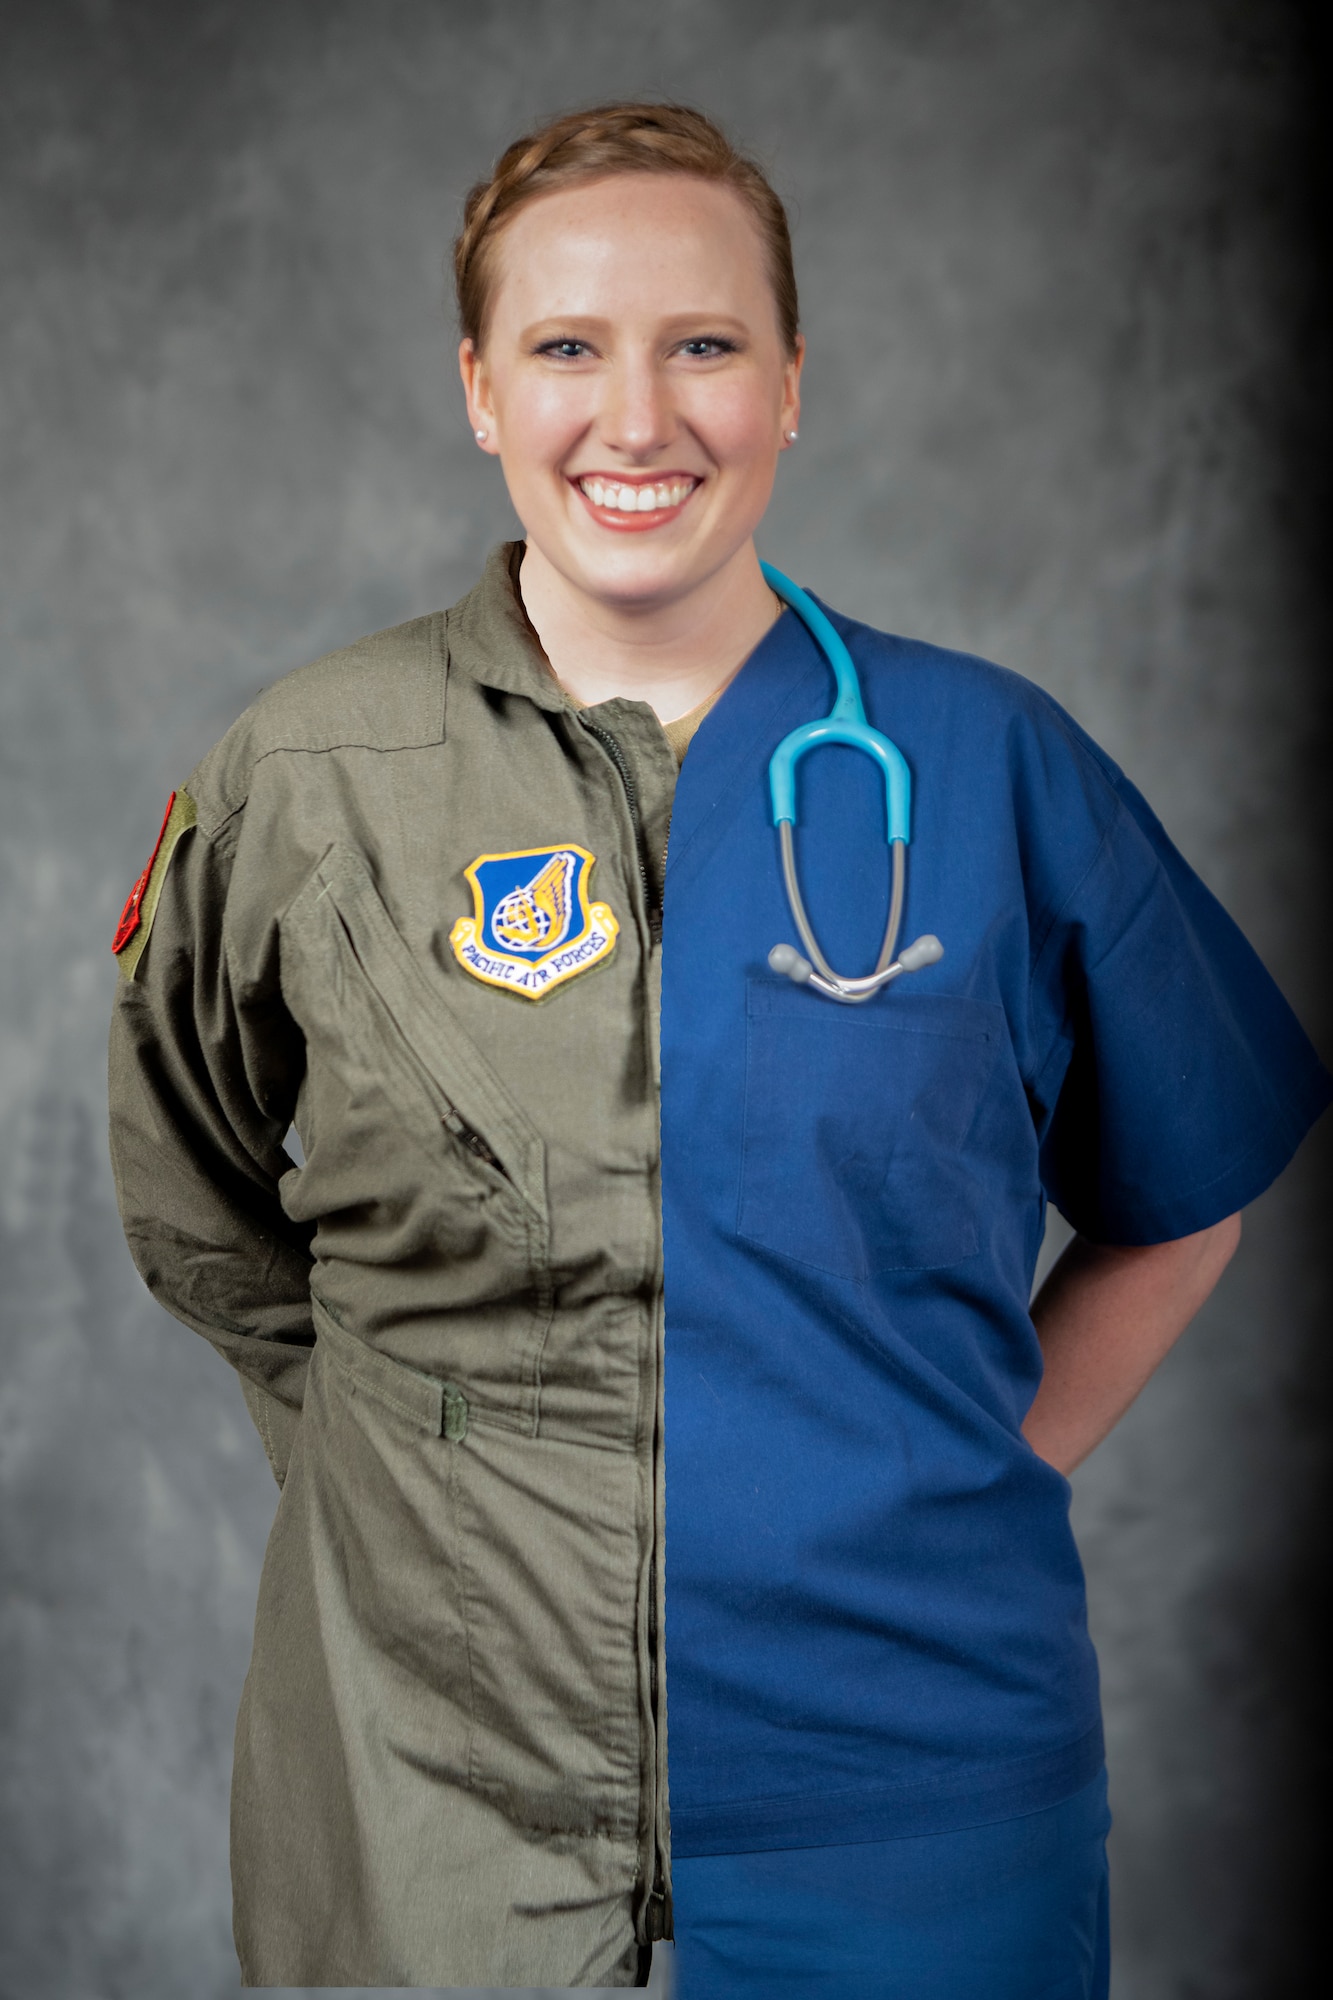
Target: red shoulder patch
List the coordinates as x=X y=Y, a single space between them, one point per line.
x=129 y=916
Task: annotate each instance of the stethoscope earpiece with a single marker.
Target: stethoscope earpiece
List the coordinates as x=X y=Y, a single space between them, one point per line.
x=926 y=951
x=786 y=959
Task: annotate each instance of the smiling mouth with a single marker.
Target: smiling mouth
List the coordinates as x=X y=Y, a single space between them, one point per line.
x=624 y=503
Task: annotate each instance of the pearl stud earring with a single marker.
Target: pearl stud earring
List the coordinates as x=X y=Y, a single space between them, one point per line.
x=481 y=436
x=791 y=436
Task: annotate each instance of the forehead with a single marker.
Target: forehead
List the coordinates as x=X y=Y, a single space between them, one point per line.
x=645 y=242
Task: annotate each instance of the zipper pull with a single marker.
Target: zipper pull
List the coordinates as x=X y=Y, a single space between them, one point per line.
x=474 y=1142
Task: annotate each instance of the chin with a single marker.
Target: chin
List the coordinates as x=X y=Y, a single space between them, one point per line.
x=640 y=569
x=633 y=573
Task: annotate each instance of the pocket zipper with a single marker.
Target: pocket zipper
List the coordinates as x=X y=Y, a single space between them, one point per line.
x=473 y=1140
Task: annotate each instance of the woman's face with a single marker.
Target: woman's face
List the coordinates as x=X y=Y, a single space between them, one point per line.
x=634 y=382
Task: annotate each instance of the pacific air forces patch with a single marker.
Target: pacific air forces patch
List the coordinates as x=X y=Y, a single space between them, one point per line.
x=533 y=926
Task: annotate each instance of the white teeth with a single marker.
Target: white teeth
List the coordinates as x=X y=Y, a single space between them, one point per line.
x=637 y=499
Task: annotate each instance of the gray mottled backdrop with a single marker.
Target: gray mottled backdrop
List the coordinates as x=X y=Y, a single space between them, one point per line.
x=1063 y=408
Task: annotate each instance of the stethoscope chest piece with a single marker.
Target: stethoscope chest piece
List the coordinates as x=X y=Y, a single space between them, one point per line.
x=845 y=723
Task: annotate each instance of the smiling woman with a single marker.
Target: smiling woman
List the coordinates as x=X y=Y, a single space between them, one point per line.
x=443 y=948
x=631 y=354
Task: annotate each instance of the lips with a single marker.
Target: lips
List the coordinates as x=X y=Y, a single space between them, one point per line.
x=635 y=503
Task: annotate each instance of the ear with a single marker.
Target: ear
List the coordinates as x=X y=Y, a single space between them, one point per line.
x=791 y=391
x=476 y=387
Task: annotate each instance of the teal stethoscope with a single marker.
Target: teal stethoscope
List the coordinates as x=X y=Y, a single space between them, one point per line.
x=844 y=723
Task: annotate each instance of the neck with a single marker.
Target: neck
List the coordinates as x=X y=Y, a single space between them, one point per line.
x=672 y=656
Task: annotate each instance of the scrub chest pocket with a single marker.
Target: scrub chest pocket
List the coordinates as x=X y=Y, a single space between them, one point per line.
x=856 y=1122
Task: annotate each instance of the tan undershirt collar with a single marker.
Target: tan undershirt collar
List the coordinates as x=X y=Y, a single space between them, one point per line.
x=679 y=733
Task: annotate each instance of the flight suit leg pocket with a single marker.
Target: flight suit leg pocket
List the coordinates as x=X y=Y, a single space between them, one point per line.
x=551 y=1561
x=379 y=1500
x=497 y=1570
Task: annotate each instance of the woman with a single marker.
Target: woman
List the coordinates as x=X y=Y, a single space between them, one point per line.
x=414 y=903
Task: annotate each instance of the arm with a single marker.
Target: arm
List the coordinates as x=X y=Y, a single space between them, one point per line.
x=203 y=1079
x=1106 y=1317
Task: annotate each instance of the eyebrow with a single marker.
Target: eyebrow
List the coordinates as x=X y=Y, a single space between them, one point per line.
x=575 y=323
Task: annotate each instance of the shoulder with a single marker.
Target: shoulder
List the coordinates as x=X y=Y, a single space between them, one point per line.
x=384 y=692
x=956 y=684
x=977 y=709
x=1006 y=752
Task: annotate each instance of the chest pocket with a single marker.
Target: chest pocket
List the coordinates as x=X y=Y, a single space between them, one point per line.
x=413 y=1137
x=856 y=1124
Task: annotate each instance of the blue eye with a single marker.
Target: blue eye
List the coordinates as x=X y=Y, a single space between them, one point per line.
x=564 y=350
x=706 y=346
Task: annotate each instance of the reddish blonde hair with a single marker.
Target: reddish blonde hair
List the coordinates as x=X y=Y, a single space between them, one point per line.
x=615 y=139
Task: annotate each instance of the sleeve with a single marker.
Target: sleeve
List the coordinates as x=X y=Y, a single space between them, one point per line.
x=204 y=1074
x=1179 y=1080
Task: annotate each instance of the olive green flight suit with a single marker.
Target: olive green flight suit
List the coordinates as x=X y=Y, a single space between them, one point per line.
x=451 y=1752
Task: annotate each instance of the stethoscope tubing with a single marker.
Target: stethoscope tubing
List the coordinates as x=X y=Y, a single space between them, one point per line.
x=845 y=723
x=844 y=989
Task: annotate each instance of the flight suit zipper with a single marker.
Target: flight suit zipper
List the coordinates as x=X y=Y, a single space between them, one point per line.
x=656 y=1912
x=651 y=901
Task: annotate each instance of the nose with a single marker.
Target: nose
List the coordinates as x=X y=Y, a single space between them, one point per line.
x=637 y=416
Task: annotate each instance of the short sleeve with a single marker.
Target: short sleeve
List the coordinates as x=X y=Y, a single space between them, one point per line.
x=1187 y=1082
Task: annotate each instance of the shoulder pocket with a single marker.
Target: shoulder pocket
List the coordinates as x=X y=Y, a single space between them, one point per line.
x=856 y=1121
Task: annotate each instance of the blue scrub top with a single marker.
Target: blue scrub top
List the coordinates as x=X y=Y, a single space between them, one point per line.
x=875 y=1609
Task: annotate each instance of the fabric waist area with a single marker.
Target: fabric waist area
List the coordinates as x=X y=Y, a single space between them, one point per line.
x=441 y=1409
x=961 y=1796
x=497 y=1575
